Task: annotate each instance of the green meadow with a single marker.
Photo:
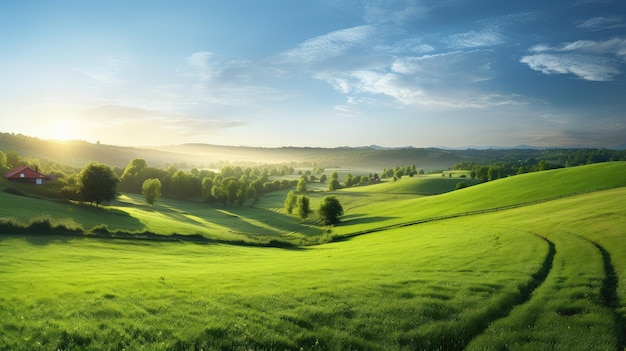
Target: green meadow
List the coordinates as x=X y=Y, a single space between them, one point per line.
x=542 y=268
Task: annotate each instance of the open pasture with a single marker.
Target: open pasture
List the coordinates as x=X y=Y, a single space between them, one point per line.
x=368 y=208
x=420 y=287
x=532 y=277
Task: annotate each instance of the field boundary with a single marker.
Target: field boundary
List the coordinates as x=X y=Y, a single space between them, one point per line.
x=467 y=213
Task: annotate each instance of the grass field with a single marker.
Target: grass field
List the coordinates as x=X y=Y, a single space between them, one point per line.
x=549 y=275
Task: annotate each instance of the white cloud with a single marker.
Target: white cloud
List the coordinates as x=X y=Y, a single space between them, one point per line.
x=587 y=59
x=587 y=67
x=329 y=45
x=601 y=23
x=406 y=46
x=474 y=39
x=616 y=46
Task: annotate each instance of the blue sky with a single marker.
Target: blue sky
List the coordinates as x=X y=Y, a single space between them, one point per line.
x=316 y=73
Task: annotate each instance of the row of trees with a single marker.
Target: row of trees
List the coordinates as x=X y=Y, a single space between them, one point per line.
x=231 y=185
x=398 y=172
x=498 y=170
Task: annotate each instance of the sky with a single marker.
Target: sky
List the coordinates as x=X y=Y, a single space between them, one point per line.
x=322 y=73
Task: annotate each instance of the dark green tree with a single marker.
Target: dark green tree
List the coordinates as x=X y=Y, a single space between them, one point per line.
x=333 y=184
x=97 y=183
x=151 y=189
x=347 y=180
x=291 y=201
x=301 y=187
x=330 y=210
x=304 y=207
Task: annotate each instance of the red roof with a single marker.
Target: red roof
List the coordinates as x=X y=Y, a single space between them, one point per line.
x=24 y=172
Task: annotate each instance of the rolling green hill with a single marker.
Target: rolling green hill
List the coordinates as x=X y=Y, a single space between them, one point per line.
x=549 y=275
x=525 y=188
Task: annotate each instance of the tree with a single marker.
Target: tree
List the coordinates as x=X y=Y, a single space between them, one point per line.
x=304 y=208
x=323 y=178
x=151 y=189
x=3 y=159
x=13 y=159
x=347 y=180
x=301 y=187
x=330 y=210
x=334 y=184
x=291 y=201
x=460 y=185
x=97 y=183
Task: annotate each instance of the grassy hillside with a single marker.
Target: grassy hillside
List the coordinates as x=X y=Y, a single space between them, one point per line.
x=454 y=284
x=367 y=208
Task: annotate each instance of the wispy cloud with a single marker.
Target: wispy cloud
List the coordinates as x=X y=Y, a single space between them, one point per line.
x=441 y=80
x=591 y=68
x=587 y=59
x=601 y=23
x=329 y=45
x=109 y=71
x=475 y=39
x=405 y=46
x=615 y=46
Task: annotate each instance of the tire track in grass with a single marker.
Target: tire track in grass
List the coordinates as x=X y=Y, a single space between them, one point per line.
x=525 y=294
x=609 y=294
x=569 y=311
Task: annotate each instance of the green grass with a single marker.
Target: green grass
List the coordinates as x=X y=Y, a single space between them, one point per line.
x=367 y=208
x=421 y=289
x=417 y=185
x=437 y=285
x=550 y=275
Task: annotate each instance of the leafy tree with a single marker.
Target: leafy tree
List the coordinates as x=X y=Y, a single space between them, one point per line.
x=323 y=178
x=151 y=189
x=13 y=159
x=301 y=187
x=97 y=183
x=334 y=184
x=330 y=210
x=303 y=205
x=3 y=159
x=460 y=185
x=207 y=185
x=347 y=180
x=291 y=201
x=130 y=180
x=493 y=173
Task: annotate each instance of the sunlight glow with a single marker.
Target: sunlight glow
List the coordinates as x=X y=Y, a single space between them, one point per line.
x=63 y=129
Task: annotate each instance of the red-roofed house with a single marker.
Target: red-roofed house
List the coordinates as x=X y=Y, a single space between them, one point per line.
x=25 y=174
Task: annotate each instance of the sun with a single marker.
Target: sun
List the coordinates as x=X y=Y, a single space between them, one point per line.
x=63 y=129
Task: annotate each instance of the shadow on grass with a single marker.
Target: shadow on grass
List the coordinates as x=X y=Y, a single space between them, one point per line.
x=360 y=219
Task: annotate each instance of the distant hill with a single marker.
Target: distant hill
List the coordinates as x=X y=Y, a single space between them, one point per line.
x=79 y=153
x=368 y=158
